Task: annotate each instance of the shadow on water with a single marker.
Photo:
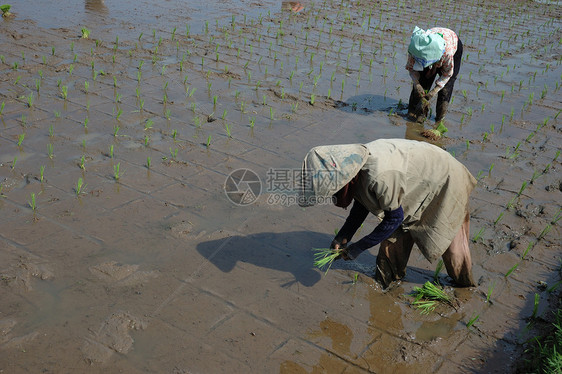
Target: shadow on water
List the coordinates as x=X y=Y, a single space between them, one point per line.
x=289 y=252
x=367 y=104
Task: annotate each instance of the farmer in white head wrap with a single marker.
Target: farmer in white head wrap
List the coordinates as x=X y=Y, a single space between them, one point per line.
x=420 y=191
x=435 y=51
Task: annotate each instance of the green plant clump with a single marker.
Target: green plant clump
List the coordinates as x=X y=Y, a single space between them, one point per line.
x=324 y=257
x=427 y=297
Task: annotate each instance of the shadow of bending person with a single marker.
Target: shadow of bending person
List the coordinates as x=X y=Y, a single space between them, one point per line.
x=286 y=252
x=367 y=104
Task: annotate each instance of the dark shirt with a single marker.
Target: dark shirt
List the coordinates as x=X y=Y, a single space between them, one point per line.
x=391 y=221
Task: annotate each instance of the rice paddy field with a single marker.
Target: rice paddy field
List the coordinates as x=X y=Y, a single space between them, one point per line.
x=120 y=123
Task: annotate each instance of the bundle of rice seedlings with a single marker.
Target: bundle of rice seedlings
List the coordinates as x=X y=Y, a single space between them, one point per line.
x=428 y=296
x=436 y=133
x=324 y=257
x=5 y=9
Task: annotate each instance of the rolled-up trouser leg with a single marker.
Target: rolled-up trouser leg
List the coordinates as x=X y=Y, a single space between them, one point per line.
x=457 y=258
x=393 y=256
x=413 y=103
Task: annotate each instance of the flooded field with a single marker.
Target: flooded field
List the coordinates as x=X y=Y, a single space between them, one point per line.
x=121 y=252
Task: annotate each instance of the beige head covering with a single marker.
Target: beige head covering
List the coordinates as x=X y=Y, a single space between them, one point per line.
x=326 y=169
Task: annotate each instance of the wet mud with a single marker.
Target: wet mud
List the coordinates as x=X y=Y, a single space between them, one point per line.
x=121 y=252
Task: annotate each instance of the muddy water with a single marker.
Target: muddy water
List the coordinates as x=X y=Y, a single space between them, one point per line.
x=133 y=258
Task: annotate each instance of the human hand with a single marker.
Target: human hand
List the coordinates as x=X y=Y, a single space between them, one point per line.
x=419 y=89
x=431 y=94
x=338 y=243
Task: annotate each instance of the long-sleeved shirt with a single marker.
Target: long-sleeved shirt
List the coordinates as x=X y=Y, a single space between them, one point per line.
x=391 y=221
x=445 y=64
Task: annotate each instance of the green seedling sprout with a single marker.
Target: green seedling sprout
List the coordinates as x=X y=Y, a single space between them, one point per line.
x=148 y=162
x=50 y=151
x=41 y=173
x=438 y=269
x=479 y=235
x=209 y=141
x=536 y=305
x=312 y=99
x=528 y=249
x=111 y=151
x=355 y=278
x=2 y=107
x=227 y=128
x=82 y=163
x=324 y=257
x=489 y=294
x=472 y=321
x=116 y=171
x=79 y=188
x=252 y=121
x=32 y=203
x=14 y=162
x=271 y=113
x=20 y=139
x=6 y=10
x=64 y=92
x=115 y=130
x=513 y=268
x=499 y=218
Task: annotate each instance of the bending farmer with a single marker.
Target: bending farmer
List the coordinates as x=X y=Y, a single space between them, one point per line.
x=420 y=191
x=435 y=51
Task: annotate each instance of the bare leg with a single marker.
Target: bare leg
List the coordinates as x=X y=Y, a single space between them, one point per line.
x=392 y=259
x=457 y=258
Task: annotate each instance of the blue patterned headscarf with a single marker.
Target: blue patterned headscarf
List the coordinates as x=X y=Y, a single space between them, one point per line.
x=426 y=48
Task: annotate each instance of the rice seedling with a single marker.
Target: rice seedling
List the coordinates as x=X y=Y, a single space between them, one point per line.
x=513 y=268
x=115 y=130
x=227 y=128
x=427 y=297
x=489 y=293
x=20 y=139
x=41 y=173
x=472 y=321
x=50 y=153
x=79 y=188
x=116 y=171
x=148 y=162
x=252 y=121
x=208 y=144
x=64 y=92
x=528 y=249
x=271 y=113
x=2 y=107
x=173 y=154
x=312 y=99
x=536 y=305
x=499 y=218
x=324 y=257
x=146 y=139
x=6 y=10
x=438 y=269
x=478 y=235
x=32 y=203
x=82 y=163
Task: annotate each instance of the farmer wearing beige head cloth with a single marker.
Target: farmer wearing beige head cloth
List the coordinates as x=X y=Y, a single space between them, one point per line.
x=435 y=51
x=420 y=191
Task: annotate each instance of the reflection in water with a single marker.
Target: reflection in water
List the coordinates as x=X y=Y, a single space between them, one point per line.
x=96 y=6
x=292 y=6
